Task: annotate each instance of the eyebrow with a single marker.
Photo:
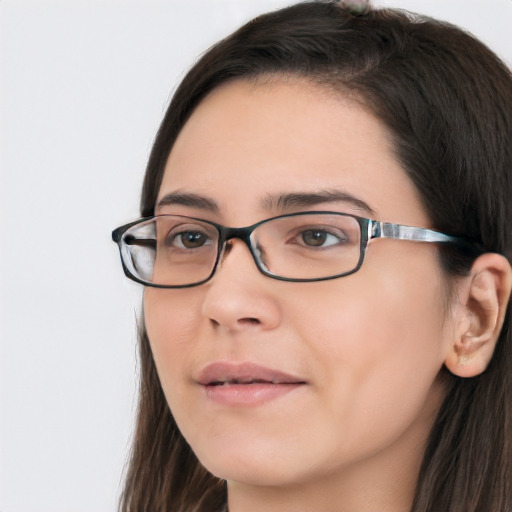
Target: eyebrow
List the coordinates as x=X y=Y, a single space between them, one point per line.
x=190 y=200
x=302 y=200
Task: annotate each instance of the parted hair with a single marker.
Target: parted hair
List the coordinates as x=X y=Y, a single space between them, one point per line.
x=446 y=100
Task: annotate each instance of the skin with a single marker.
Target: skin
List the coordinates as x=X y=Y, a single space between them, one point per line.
x=369 y=346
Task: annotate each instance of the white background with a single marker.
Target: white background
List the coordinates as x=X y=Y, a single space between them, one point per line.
x=84 y=85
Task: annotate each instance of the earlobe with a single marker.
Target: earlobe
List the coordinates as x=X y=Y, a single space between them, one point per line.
x=483 y=297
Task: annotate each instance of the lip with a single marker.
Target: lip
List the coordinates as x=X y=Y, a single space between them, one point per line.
x=246 y=383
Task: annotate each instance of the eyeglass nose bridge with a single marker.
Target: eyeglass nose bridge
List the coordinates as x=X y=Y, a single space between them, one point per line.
x=243 y=234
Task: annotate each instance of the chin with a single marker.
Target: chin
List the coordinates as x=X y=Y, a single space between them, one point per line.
x=262 y=464
x=260 y=475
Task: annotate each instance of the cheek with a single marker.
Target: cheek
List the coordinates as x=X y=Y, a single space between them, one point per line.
x=378 y=340
x=171 y=320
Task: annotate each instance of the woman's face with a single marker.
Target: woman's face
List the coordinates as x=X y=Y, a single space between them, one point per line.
x=346 y=369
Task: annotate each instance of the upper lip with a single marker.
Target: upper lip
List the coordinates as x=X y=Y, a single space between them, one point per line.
x=243 y=373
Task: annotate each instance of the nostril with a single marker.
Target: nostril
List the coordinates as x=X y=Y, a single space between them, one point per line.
x=249 y=321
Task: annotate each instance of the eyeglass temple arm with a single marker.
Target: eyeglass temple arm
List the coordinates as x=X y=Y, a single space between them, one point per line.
x=379 y=229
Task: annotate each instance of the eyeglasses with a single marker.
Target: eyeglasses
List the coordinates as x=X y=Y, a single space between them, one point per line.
x=174 y=251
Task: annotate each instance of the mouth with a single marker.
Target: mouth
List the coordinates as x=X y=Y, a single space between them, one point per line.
x=230 y=382
x=225 y=373
x=245 y=384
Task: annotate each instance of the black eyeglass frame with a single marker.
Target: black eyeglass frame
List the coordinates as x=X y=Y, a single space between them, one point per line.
x=370 y=229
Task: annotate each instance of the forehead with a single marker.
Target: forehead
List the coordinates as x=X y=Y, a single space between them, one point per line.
x=247 y=143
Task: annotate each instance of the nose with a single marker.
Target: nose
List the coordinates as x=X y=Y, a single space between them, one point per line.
x=238 y=296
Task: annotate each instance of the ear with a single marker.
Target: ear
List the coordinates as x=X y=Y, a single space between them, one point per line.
x=482 y=303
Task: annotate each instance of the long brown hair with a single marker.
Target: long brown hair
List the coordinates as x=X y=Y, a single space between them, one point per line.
x=446 y=100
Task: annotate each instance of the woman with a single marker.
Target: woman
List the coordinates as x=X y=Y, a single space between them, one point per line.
x=300 y=363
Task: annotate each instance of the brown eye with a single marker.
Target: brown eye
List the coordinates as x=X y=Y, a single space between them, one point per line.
x=314 y=238
x=319 y=238
x=189 y=239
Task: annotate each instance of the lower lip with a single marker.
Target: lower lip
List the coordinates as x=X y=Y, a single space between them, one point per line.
x=249 y=394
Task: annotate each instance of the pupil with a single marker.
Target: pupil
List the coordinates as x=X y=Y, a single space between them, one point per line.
x=193 y=239
x=314 y=237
